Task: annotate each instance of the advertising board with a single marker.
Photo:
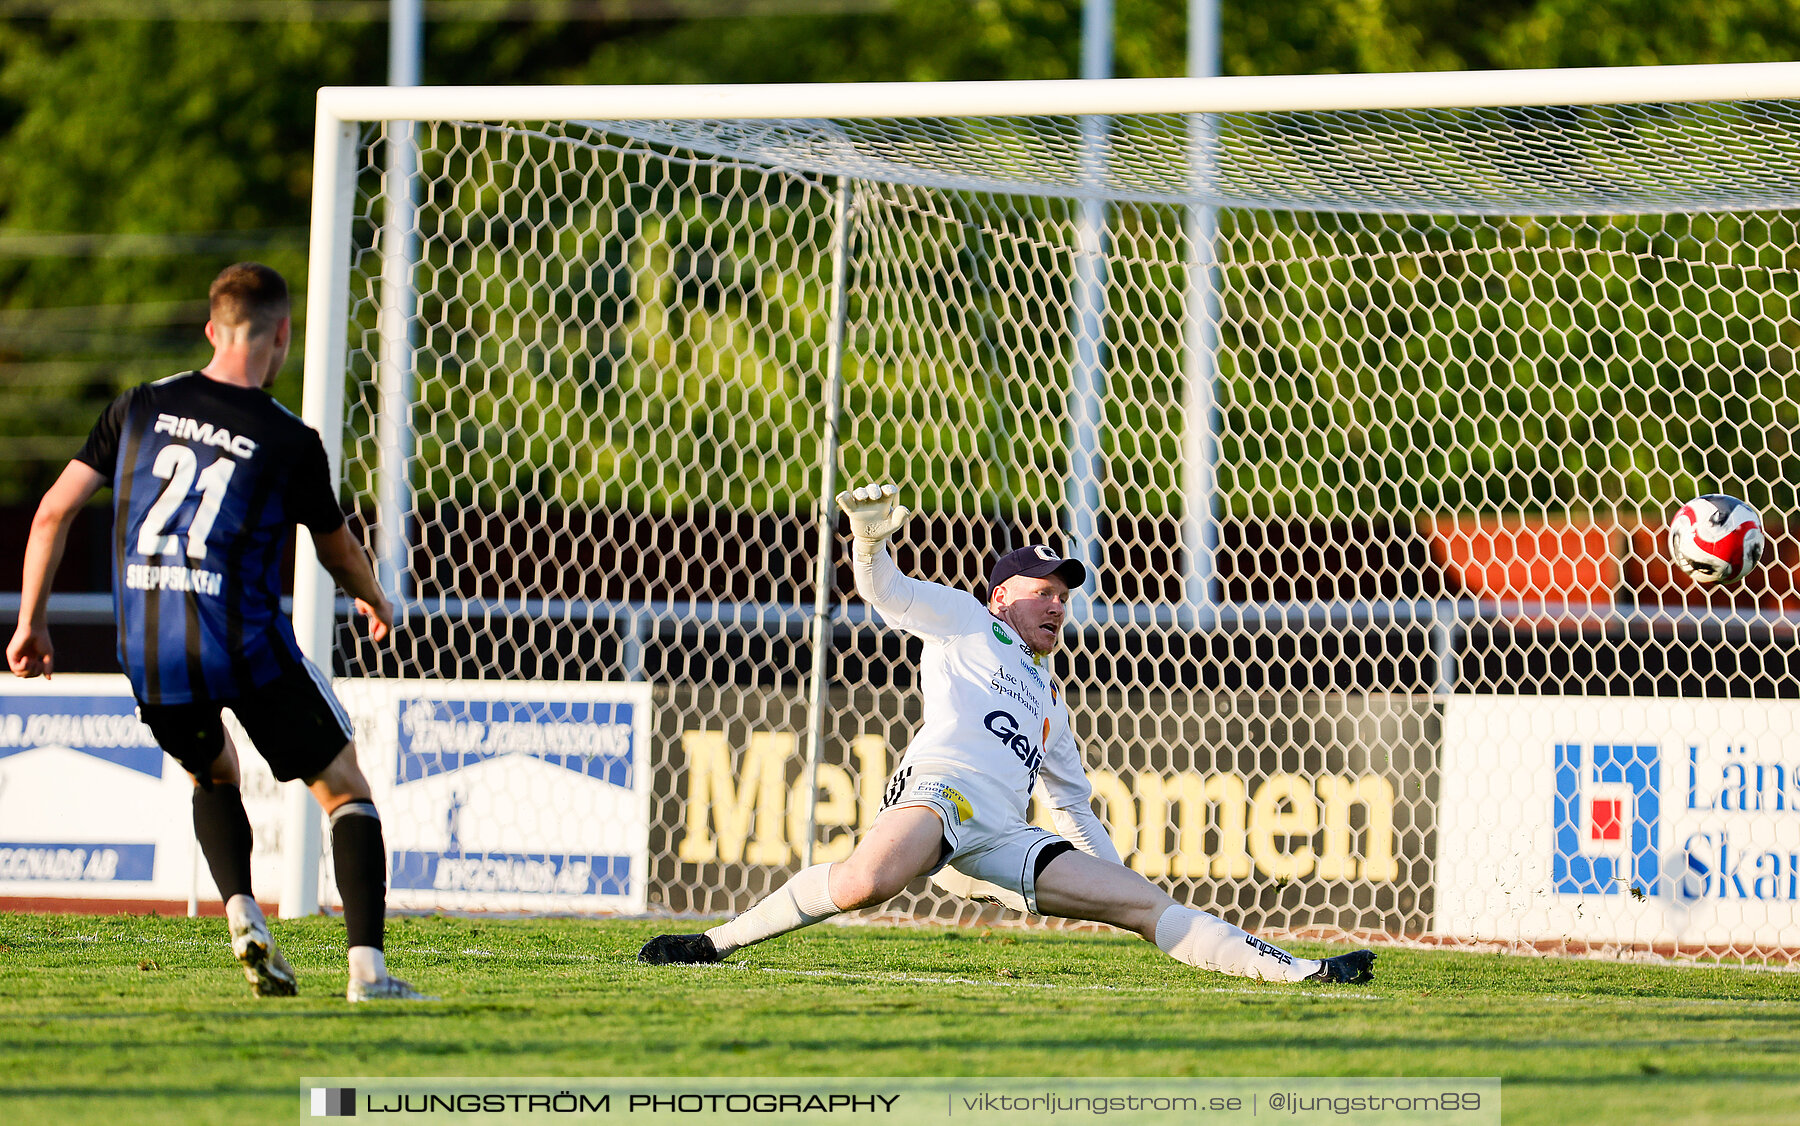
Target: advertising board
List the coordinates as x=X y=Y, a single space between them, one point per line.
x=1659 y=822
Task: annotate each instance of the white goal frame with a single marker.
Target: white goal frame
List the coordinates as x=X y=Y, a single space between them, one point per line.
x=342 y=111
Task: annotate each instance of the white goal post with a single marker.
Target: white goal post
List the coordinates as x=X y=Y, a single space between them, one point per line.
x=1367 y=402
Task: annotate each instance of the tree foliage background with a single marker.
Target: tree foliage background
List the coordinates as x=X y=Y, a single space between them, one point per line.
x=138 y=155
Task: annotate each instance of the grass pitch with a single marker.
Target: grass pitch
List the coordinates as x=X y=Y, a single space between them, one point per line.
x=129 y=1019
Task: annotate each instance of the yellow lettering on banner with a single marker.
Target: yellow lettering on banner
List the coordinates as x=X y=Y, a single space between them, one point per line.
x=744 y=812
x=1285 y=808
x=1376 y=795
x=765 y=767
x=729 y=801
x=1152 y=856
x=871 y=753
x=1120 y=814
x=1226 y=793
x=1269 y=820
x=836 y=810
x=1156 y=793
x=707 y=758
x=1190 y=845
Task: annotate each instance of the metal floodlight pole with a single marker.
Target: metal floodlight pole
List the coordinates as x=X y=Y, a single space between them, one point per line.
x=1087 y=377
x=824 y=565
x=1200 y=439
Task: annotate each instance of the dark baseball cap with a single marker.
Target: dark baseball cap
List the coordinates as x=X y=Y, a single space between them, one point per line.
x=1036 y=561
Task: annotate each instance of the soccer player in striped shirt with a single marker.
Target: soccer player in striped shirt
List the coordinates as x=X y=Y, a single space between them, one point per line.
x=995 y=727
x=210 y=475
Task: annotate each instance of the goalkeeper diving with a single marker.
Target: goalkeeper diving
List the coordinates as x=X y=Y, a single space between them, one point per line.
x=995 y=727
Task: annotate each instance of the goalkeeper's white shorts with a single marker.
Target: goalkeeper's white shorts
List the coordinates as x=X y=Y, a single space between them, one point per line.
x=992 y=852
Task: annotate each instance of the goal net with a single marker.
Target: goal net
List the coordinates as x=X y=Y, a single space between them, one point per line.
x=1366 y=399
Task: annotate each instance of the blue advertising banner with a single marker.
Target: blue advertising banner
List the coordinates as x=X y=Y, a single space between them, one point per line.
x=509 y=795
x=90 y=807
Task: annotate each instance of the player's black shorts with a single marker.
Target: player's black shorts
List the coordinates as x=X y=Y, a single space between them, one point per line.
x=295 y=723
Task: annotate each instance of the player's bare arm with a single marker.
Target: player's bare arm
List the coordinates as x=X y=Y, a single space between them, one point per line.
x=349 y=566
x=30 y=652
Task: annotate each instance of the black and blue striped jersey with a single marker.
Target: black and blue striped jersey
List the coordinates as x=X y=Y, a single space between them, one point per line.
x=208 y=479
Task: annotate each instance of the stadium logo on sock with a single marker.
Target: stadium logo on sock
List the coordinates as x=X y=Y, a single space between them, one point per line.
x=1608 y=819
x=334 y=1102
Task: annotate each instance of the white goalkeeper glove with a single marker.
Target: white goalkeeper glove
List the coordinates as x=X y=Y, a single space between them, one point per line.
x=874 y=516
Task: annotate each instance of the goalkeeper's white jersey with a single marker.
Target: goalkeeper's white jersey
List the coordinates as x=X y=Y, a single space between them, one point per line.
x=992 y=707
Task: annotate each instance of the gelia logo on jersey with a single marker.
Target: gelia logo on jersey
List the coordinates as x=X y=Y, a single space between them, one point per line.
x=1004 y=726
x=1607 y=818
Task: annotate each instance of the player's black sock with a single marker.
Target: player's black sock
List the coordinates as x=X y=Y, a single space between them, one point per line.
x=223 y=830
x=360 y=857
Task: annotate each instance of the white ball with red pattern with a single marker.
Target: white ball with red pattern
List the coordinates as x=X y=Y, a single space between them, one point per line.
x=1716 y=538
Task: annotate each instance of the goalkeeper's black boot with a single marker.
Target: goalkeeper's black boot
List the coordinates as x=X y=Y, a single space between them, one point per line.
x=679 y=949
x=1347 y=969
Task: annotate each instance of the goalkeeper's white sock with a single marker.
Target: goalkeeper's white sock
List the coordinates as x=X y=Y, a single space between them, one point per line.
x=800 y=902
x=1211 y=943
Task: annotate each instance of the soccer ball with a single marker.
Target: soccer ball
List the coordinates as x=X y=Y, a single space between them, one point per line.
x=1716 y=538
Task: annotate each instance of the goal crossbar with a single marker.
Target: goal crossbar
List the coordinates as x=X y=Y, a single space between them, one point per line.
x=1593 y=86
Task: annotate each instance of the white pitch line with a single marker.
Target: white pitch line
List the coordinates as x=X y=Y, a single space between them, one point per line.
x=1673 y=1002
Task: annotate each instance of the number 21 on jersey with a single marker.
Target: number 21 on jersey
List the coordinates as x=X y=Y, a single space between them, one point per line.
x=181 y=469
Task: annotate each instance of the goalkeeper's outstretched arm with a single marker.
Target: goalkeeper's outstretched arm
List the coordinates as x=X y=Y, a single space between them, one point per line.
x=919 y=607
x=875 y=515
